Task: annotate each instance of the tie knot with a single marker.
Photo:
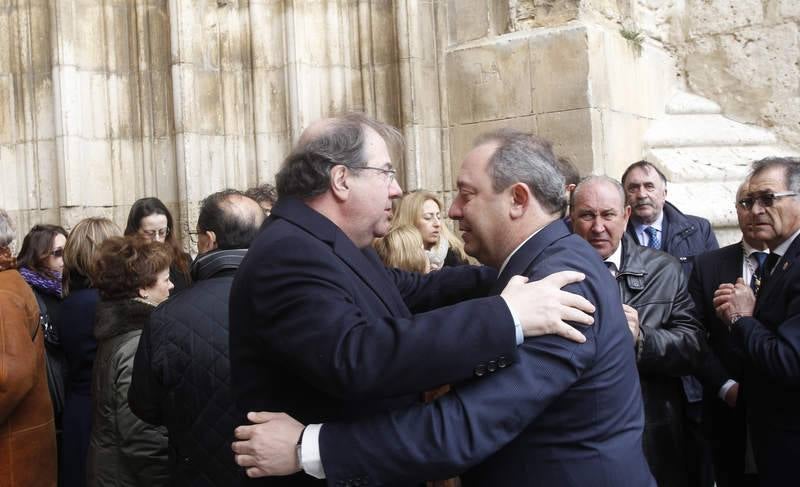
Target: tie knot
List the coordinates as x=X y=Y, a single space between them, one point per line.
x=650 y=231
x=761 y=257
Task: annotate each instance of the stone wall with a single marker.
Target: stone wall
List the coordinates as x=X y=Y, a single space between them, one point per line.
x=103 y=102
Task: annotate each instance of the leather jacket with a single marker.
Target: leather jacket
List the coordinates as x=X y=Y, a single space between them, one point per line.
x=669 y=346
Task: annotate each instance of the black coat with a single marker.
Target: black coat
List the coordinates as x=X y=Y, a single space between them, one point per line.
x=651 y=282
x=182 y=376
x=77 y=340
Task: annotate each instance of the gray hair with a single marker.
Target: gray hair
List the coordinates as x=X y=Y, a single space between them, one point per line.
x=599 y=179
x=306 y=171
x=790 y=166
x=7 y=233
x=525 y=158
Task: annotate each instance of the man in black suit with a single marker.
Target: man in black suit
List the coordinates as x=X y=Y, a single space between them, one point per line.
x=721 y=368
x=768 y=329
x=321 y=329
x=566 y=414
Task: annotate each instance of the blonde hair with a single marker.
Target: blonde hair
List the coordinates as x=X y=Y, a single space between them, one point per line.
x=82 y=244
x=409 y=211
x=402 y=248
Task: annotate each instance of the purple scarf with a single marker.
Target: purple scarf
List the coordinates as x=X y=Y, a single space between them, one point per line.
x=47 y=285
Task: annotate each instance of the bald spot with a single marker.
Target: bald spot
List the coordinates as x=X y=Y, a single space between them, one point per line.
x=243 y=209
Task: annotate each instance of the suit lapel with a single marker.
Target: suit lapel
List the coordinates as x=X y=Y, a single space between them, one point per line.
x=775 y=282
x=364 y=263
x=521 y=261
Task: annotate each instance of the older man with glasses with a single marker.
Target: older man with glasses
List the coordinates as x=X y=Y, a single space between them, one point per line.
x=768 y=328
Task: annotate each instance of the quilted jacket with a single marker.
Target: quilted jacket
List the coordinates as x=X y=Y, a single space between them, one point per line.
x=182 y=376
x=124 y=451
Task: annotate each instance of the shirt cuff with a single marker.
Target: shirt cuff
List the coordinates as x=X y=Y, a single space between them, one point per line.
x=309 y=452
x=723 y=391
x=517 y=326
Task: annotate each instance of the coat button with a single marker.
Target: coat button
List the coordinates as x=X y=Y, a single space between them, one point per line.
x=502 y=361
x=480 y=370
x=491 y=366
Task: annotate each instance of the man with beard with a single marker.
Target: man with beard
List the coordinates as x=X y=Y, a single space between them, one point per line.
x=566 y=414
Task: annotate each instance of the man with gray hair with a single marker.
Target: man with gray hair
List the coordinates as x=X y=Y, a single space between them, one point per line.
x=181 y=376
x=567 y=414
x=666 y=336
x=768 y=328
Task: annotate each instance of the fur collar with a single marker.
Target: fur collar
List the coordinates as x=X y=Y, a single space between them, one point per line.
x=120 y=316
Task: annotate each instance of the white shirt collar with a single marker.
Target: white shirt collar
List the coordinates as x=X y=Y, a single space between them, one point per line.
x=616 y=257
x=505 y=262
x=784 y=246
x=748 y=249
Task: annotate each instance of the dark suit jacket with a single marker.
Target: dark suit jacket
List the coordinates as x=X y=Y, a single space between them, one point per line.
x=322 y=330
x=722 y=359
x=566 y=414
x=771 y=341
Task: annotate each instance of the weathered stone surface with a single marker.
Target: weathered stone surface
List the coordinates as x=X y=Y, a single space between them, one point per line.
x=489 y=82
x=529 y=14
x=469 y=20
x=722 y=16
x=560 y=70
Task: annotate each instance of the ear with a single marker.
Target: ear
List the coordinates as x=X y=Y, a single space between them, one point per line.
x=520 y=199
x=340 y=186
x=627 y=213
x=212 y=239
x=143 y=293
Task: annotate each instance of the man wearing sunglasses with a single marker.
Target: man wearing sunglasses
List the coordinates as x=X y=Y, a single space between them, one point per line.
x=768 y=328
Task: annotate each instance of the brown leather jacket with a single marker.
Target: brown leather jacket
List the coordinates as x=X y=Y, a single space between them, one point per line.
x=27 y=431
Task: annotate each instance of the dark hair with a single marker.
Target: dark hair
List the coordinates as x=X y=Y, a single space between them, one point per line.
x=790 y=166
x=525 y=158
x=263 y=193
x=145 y=207
x=306 y=171
x=642 y=165
x=569 y=171
x=36 y=247
x=234 y=226
x=126 y=264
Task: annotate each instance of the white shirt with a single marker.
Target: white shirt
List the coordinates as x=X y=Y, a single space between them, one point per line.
x=644 y=239
x=616 y=259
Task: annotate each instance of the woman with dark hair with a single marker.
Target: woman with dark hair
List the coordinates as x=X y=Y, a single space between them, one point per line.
x=77 y=340
x=41 y=262
x=149 y=218
x=132 y=277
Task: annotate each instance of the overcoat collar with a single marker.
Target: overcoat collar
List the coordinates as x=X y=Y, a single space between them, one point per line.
x=775 y=282
x=364 y=262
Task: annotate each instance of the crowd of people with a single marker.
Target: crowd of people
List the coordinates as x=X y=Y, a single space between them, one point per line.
x=580 y=331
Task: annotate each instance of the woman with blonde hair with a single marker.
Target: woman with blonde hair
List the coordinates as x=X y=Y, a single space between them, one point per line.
x=402 y=248
x=78 y=342
x=424 y=210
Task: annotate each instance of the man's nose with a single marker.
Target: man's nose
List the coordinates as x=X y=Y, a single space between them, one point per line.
x=598 y=227
x=395 y=191
x=455 y=211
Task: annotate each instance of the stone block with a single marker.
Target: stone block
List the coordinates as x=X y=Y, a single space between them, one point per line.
x=784 y=116
x=382 y=40
x=160 y=102
x=386 y=89
x=623 y=80
x=788 y=8
x=127 y=163
x=424 y=94
x=271 y=150
x=462 y=137
x=207 y=101
x=573 y=135
x=8 y=38
x=469 y=20
x=10 y=169
x=529 y=14
x=7 y=110
x=722 y=16
x=90 y=41
x=67 y=96
x=560 y=70
x=489 y=82
x=267 y=33
x=41 y=38
x=156 y=37
x=620 y=136
x=84 y=157
x=162 y=154
x=269 y=99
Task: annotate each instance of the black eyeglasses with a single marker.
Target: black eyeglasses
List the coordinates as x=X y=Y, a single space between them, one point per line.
x=152 y=234
x=766 y=200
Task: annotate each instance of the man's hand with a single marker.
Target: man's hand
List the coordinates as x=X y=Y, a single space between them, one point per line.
x=732 y=394
x=543 y=308
x=269 y=446
x=732 y=300
x=633 y=321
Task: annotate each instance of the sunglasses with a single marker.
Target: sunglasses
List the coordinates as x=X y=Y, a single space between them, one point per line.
x=57 y=253
x=766 y=200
